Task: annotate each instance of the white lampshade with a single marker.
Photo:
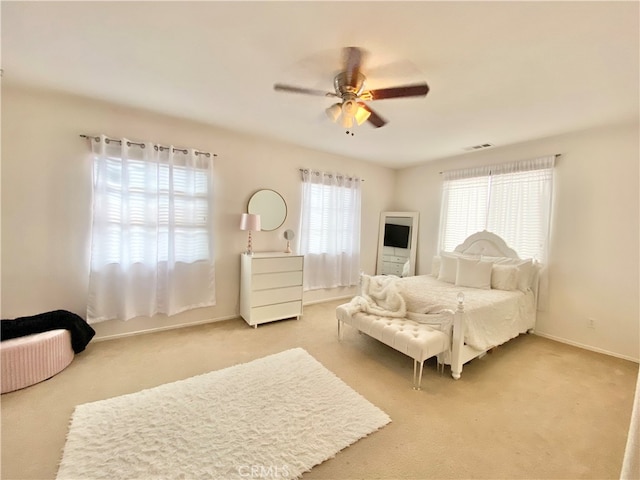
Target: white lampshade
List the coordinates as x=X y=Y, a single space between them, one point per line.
x=349 y=108
x=334 y=111
x=250 y=221
x=347 y=122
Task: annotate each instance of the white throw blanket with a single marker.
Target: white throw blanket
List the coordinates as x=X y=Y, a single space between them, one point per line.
x=491 y=316
x=379 y=296
x=383 y=295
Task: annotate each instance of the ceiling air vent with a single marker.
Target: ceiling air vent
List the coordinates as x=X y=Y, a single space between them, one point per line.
x=479 y=147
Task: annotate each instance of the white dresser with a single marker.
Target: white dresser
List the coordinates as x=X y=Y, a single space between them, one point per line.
x=270 y=286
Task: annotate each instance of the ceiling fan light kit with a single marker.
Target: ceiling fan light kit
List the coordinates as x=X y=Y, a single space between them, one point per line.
x=334 y=112
x=362 y=115
x=349 y=86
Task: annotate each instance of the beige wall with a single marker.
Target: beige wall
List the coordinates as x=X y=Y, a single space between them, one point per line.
x=594 y=253
x=46 y=216
x=46 y=200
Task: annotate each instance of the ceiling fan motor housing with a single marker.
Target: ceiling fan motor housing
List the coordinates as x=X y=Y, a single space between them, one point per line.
x=343 y=88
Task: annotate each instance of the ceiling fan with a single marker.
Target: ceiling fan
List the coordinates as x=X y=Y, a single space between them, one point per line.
x=349 y=86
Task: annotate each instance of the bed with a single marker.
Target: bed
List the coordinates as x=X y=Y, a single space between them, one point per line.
x=477 y=297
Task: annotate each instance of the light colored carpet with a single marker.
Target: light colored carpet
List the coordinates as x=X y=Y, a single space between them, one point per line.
x=533 y=409
x=274 y=417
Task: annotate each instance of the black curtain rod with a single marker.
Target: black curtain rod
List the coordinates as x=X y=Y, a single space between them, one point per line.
x=142 y=145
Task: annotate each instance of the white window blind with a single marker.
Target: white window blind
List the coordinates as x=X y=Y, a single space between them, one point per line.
x=152 y=230
x=330 y=229
x=512 y=200
x=141 y=202
x=331 y=216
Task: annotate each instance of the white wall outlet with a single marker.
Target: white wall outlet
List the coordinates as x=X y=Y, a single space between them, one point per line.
x=591 y=323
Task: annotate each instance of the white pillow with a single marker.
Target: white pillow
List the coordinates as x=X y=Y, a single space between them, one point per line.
x=473 y=273
x=525 y=269
x=502 y=260
x=448 y=268
x=435 y=266
x=406 y=268
x=504 y=277
x=525 y=274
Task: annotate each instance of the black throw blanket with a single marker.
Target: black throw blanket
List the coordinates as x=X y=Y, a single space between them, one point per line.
x=81 y=331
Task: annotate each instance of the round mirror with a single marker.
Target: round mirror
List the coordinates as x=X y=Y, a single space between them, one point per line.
x=271 y=207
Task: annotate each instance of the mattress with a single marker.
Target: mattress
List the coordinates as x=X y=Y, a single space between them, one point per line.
x=492 y=316
x=33 y=358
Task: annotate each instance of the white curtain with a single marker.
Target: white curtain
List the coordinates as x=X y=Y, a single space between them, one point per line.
x=151 y=239
x=330 y=229
x=512 y=200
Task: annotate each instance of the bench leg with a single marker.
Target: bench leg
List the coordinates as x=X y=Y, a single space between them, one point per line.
x=440 y=365
x=417 y=374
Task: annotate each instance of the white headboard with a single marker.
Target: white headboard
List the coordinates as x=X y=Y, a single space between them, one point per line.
x=486 y=243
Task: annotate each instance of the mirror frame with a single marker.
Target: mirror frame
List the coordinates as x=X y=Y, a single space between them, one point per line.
x=413 y=239
x=256 y=206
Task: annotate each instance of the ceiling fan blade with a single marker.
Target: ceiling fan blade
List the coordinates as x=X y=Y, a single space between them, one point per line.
x=307 y=91
x=375 y=119
x=418 y=90
x=353 y=58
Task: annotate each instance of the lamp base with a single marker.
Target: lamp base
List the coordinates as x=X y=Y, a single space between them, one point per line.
x=249 y=250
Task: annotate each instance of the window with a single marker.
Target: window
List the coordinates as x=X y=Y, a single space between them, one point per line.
x=326 y=235
x=135 y=198
x=330 y=229
x=512 y=200
x=151 y=243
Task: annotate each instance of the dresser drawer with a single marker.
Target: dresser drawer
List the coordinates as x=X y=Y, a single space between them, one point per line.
x=277 y=264
x=394 y=259
x=275 y=312
x=389 y=268
x=265 y=281
x=276 y=295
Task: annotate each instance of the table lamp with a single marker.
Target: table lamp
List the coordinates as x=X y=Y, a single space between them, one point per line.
x=250 y=221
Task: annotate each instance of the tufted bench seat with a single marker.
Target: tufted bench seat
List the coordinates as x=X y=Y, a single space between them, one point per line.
x=414 y=339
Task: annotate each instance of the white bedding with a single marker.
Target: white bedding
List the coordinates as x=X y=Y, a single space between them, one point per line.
x=492 y=316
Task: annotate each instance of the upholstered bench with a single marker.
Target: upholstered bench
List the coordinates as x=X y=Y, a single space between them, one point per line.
x=33 y=358
x=414 y=339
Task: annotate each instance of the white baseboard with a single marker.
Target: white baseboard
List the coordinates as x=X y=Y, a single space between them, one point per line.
x=200 y=322
x=162 y=329
x=587 y=347
x=325 y=300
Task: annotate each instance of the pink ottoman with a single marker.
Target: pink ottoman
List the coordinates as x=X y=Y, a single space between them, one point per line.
x=34 y=358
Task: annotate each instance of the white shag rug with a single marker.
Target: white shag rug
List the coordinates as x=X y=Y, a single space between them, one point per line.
x=272 y=418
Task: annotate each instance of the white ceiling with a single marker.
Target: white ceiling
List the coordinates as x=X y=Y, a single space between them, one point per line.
x=499 y=72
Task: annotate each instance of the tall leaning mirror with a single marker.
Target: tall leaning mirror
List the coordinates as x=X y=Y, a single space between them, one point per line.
x=397 y=244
